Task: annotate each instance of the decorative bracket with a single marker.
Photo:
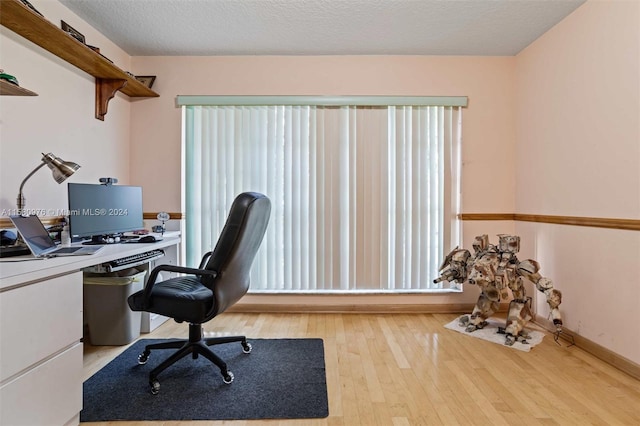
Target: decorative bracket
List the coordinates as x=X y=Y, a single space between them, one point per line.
x=105 y=90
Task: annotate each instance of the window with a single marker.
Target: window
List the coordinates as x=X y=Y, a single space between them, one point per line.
x=364 y=198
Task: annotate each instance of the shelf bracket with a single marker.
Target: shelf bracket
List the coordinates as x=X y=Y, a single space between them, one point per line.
x=106 y=89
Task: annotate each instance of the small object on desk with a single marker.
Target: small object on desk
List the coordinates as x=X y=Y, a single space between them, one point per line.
x=140 y=232
x=148 y=239
x=8 y=238
x=14 y=250
x=162 y=217
x=65 y=236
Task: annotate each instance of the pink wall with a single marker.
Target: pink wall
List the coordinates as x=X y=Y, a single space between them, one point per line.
x=488 y=122
x=578 y=154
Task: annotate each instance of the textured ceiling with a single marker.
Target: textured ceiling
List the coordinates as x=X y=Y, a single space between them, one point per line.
x=322 y=27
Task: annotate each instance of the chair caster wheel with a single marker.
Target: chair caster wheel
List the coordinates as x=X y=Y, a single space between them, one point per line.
x=246 y=347
x=155 y=387
x=143 y=357
x=227 y=378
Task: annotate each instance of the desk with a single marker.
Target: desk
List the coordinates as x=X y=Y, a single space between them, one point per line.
x=41 y=330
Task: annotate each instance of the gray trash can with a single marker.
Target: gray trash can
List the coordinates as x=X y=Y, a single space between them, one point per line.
x=108 y=316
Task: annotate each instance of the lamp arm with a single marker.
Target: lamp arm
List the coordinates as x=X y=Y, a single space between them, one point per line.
x=20 y=196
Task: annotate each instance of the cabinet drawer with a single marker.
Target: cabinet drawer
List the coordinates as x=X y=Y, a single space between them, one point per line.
x=50 y=394
x=38 y=320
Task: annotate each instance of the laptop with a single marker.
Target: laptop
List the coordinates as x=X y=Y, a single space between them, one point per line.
x=40 y=243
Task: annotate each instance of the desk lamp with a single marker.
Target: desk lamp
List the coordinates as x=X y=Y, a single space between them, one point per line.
x=61 y=171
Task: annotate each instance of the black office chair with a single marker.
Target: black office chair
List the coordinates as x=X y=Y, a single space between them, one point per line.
x=220 y=281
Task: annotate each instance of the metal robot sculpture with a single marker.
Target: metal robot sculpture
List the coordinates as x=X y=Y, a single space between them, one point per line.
x=496 y=269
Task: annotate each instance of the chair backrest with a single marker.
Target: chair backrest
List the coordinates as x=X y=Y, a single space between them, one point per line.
x=236 y=248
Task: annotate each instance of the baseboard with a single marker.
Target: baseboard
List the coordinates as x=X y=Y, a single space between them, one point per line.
x=380 y=308
x=344 y=302
x=600 y=352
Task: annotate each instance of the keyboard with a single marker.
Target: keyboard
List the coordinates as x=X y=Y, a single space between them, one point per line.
x=127 y=262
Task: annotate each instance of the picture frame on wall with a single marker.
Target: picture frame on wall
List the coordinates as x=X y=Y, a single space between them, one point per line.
x=72 y=32
x=147 y=80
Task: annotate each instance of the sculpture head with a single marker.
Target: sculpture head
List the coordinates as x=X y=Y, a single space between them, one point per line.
x=509 y=243
x=480 y=243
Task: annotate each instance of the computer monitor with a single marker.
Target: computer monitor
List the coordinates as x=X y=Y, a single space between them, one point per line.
x=104 y=212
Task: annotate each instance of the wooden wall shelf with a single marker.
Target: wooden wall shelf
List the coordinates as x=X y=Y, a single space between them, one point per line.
x=9 y=89
x=21 y=20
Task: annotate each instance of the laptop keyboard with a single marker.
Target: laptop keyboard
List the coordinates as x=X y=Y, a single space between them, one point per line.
x=67 y=250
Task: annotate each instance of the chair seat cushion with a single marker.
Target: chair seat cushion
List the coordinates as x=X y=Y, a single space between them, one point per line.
x=182 y=298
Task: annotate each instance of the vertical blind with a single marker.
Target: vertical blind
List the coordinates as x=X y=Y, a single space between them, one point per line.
x=363 y=198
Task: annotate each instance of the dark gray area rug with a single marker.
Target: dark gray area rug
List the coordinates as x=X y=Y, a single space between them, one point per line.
x=279 y=379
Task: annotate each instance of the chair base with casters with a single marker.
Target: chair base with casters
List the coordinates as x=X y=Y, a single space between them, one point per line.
x=196 y=345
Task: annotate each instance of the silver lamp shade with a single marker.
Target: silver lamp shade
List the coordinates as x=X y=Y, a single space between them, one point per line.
x=61 y=171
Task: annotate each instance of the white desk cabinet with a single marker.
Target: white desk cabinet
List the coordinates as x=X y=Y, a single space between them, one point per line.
x=40 y=334
x=41 y=353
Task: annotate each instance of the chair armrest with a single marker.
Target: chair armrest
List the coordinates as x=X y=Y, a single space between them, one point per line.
x=174 y=268
x=205 y=259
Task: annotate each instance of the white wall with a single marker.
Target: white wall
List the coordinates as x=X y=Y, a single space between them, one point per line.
x=578 y=154
x=59 y=120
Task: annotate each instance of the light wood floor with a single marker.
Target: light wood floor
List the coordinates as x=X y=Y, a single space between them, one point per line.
x=407 y=369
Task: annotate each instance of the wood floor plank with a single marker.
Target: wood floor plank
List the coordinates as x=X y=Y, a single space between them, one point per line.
x=334 y=390
x=392 y=342
x=407 y=369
